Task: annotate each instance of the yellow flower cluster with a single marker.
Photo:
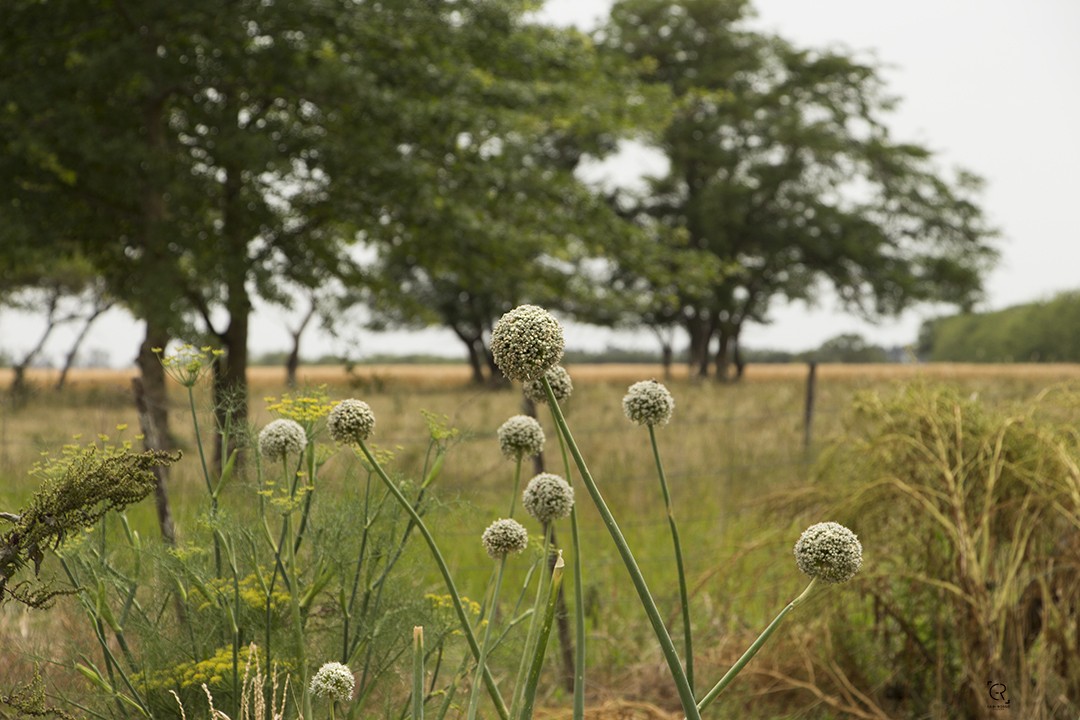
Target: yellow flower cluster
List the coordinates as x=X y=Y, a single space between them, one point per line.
x=251 y=595
x=188 y=363
x=445 y=602
x=54 y=466
x=306 y=408
x=214 y=671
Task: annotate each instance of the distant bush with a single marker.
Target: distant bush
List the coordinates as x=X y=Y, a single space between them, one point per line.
x=1036 y=332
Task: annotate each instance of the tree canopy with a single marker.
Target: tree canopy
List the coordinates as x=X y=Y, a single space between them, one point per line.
x=783 y=171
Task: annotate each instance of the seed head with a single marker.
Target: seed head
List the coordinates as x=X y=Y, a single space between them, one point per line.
x=351 y=421
x=548 y=497
x=503 y=537
x=334 y=681
x=282 y=438
x=521 y=436
x=561 y=385
x=829 y=551
x=526 y=342
x=648 y=403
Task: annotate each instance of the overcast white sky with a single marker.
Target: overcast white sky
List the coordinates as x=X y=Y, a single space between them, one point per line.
x=990 y=85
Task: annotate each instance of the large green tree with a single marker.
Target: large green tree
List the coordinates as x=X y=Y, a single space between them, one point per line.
x=498 y=217
x=781 y=167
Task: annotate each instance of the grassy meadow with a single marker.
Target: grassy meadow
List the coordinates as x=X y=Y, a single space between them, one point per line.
x=734 y=457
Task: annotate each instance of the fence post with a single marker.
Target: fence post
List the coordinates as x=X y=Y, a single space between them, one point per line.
x=811 y=391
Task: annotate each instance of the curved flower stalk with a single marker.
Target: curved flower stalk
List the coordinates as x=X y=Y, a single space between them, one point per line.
x=649 y=403
x=667 y=647
x=828 y=552
x=352 y=425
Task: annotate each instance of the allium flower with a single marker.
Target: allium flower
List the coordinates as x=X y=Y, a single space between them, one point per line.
x=503 y=537
x=350 y=421
x=334 y=681
x=521 y=436
x=548 y=497
x=648 y=403
x=560 y=382
x=527 y=342
x=829 y=552
x=282 y=438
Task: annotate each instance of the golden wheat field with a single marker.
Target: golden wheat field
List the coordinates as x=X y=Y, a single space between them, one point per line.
x=735 y=455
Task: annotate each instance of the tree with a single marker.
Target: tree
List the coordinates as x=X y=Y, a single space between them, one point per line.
x=498 y=217
x=782 y=168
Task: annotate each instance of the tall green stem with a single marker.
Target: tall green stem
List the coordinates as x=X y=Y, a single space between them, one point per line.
x=474 y=696
x=206 y=475
x=517 y=483
x=529 y=696
x=752 y=650
x=667 y=647
x=684 y=598
x=463 y=618
x=579 y=601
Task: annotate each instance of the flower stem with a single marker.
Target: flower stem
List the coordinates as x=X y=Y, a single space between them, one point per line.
x=688 y=638
x=667 y=647
x=517 y=483
x=752 y=650
x=474 y=696
x=579 y=601
x=418 y=673
x=463 y=618
x=529 y=696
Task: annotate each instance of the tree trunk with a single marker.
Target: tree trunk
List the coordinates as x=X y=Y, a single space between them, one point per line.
x=292 y=363
x=723 y=359
x=151 y=403
x=18 y=390
x=70 y=359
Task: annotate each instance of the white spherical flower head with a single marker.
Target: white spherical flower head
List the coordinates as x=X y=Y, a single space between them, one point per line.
x=560 y=382
x=282 y=438
x=548 y=497
x=503 y=537
x=521 y=436
x=351 y=421
x=527 y=342
x=648 y=403
x=829 y=552
x=334 y=681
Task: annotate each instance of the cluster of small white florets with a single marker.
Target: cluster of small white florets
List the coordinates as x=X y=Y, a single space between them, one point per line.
x=527 y=342
x=521 y=436
x=503 y=537
x=334 y=681
x=548 y=497
x=648 y=403
x=350 y=421
x=829 y=552
x=281 y=438
x=561 y=385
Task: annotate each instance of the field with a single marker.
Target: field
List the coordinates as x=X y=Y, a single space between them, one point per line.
x=734 y=455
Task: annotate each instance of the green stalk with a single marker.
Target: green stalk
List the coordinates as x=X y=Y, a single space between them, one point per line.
x=529 y=698
x=534 y=626
x=752 y=650
x=688 y=638
x=667 y=647
x=517 y=483
x=418 y=673
x=206 y=475
x=474 y=695
x=579 y=601
x=463 y=618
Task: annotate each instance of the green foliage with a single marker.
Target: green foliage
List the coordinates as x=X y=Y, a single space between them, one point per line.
x=77 y=489
x=1034 y=332
x=783 y=180
x=972 y=518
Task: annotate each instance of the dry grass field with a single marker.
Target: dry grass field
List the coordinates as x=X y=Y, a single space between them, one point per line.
x=730 y=451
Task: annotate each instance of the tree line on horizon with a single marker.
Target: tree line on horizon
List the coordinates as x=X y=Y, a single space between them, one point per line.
x=417 y=160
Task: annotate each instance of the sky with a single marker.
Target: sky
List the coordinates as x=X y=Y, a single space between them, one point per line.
x=988 y=85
